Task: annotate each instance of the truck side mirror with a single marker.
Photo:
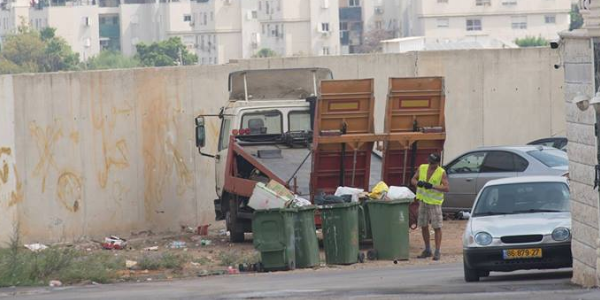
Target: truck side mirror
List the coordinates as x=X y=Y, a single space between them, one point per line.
x=200 y=132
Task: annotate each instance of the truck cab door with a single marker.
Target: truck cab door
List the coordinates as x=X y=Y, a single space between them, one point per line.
x=221 y=158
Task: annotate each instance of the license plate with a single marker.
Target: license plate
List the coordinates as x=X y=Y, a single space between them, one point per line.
x=522 y=253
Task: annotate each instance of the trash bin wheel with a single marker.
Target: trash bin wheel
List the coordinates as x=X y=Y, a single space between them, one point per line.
x=361 y=257
x=372 y=254
x=259 y=267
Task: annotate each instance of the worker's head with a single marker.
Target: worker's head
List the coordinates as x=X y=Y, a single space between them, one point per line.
x=434 y=159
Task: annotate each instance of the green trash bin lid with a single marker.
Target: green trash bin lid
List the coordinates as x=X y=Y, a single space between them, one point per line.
x=305 y=208
x=391 y=202
x=339 y=205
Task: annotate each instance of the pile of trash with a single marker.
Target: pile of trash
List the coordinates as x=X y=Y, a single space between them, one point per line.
x=275 y=195
x=380 y=192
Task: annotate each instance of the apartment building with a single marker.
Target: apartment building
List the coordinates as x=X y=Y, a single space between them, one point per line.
x=76 y=22
x=233 y=29
x=504 y=20
x=361 y=18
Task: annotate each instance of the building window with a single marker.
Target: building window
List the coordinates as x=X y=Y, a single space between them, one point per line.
x=509 y=2
x=550 y=19
x=254 y=15
x=326 y=51
x=263 y=28
x=378 y=25
x=519 y=22
x=343 y=26
x=187 y=18
x=442 y=1
x=443 y=23
x=267 y=7
x=259 y=5
x=474 y=25
x=483 y=2
x=205 y=18
x=325 y=27
x=353 y=3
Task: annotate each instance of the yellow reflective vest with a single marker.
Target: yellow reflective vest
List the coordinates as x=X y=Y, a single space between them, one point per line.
x=432 y=197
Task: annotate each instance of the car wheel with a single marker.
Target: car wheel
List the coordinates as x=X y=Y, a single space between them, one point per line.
x=471 y=275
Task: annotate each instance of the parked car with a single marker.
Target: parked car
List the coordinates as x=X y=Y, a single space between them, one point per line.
x=468 y=173
x=518 y=223
x=556 y=142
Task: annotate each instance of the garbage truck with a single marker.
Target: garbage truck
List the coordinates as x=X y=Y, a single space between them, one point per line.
x=310 y=133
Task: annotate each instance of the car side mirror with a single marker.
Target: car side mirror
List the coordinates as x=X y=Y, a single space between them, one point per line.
x=200 y=132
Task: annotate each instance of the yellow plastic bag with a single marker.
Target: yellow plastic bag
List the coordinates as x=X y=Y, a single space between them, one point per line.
x=379 y=191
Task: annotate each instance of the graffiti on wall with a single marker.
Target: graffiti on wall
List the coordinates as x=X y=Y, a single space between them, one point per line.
x=6 y=165
x=45 y=141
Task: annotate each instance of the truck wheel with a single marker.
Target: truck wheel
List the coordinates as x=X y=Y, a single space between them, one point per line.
x=471 y=275
x=236 y=231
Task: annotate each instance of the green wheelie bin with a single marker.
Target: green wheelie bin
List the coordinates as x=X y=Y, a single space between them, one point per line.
x=364 y=222
x=389 y=224
x=340 y=233
x=274 y=238
x=307 y=244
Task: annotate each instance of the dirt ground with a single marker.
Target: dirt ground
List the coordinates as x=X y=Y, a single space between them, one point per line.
x=213 y=254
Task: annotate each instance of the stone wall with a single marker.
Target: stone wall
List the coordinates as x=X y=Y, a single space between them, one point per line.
x=112 y=152
x=579 y=78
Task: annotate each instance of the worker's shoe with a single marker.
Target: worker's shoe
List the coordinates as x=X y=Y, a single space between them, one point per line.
x=425 y=254
x=437 y=255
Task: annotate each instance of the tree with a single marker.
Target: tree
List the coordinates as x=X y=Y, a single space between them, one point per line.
x=265 y=52
x=576 y=18
x=32 y=51
x=532 y=41
x=171 y=52
x=112 y=60
x=372 y=40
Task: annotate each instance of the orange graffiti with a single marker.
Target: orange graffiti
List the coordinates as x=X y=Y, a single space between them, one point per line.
x=4 y=173
x=74 y=137
x=114 y=154
x=5 y=150
x=45 y=141
x=120 y=162
x=16 y=196
x=184 y=174
x=69 y=191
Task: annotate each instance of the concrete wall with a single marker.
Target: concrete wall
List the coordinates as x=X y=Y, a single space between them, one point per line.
x=112 y=152
x=579 y=71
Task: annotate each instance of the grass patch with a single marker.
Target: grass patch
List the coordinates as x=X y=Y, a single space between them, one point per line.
x=234 y=258
x=22 y=267
x=163 y=261
x=25 y=268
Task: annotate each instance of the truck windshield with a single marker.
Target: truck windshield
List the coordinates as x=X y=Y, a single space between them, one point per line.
x=262 y=123
x=299 y=121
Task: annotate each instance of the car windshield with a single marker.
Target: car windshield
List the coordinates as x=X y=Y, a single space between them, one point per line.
x=550 y=157
x=522 y=198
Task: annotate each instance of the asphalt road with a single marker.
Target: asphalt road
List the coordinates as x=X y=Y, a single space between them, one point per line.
x=440 y=281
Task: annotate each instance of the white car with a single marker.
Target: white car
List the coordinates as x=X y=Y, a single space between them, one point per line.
x=518 y=223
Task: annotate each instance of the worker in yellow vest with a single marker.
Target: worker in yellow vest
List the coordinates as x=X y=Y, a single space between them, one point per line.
x=431 y=182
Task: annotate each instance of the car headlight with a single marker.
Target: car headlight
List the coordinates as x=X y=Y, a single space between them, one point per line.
x=561 y=234
x=483 y=238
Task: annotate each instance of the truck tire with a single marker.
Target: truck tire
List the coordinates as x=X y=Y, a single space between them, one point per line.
x=236 y=230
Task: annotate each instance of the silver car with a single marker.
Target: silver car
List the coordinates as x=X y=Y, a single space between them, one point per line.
x=468 y=173
x=518 y=223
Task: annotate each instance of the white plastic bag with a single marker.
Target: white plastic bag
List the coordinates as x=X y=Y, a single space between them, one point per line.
x=400 y=192
x=343 y=190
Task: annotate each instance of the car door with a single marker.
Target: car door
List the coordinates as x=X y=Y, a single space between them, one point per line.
x=500 y=164
x=462 y=177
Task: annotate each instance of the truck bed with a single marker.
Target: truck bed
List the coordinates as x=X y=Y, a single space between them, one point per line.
x=291 y=158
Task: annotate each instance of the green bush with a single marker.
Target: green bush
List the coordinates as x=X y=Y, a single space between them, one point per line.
x=532 y=41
